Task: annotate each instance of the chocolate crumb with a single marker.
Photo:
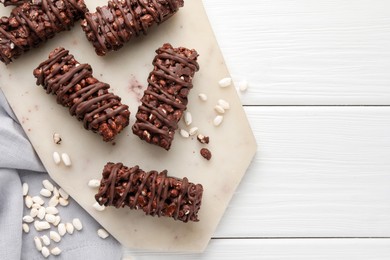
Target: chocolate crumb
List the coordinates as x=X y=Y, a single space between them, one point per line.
x=205 y=153
x=203 y=139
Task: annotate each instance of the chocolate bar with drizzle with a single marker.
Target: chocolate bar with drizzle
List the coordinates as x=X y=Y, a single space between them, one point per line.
x=166 y=96
x=152 y=192
x=115 y=24
x=32 y=24
x=13 y=2
x=20 y=2
x=86 y=97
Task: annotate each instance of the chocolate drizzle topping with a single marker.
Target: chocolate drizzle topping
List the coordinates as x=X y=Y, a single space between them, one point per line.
x=153 y=192
x=165 y=98
x=30 y=25
x=87 y=98
x=111 y=26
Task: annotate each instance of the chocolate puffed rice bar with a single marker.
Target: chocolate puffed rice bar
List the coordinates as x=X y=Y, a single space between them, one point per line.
x=13 y=2
x=115 y=24
x=152 y=192
x=165 y=98
x=86 y=97
x=30 y=25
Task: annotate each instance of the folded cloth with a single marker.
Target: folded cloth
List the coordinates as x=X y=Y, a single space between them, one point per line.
x=19 y=163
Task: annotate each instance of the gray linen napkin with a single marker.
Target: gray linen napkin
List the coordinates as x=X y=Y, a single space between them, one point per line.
x=18 y=164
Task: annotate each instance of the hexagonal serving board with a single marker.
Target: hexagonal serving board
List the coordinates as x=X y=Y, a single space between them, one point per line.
x=232 y=143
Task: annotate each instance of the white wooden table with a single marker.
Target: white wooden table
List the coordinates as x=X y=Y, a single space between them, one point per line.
x=318 y=103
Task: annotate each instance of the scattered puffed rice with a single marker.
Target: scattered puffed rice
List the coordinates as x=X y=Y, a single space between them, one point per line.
x=102 y=233
x=94 y=183
x=63 y=193
x=193 y=131
x=36 y=225
x=56 y=158
x=43 y=225
x=49 y=215
x=57 y=138
x=61 y=229
x=34 y=212
x=225 y=82
x=26 y=228
x=55 y=236
x=45 y=252
x=28 y=219
x=45 y=240
x=41 y=213
x=52 y=210
x=219 y=109
x=28 y=201
x=48 y=185
x=243 y=85
x=38 y=200
x=38 y=243
x=218 y=120
x=57 y=221
x=63 y=202
x=69 y=228
x=203 y=97
x=55 y=251
x=224 y=104
x=184 y=133
x=77 y=224
x=35 y=206
x=45 y=193
x=25 y=189
x=53 y=201
x=66 y=159
x=50 y=218
x=187 y=118
x=98 y=207
x=56 y=192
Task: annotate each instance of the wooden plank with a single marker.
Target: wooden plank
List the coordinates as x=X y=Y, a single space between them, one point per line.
x=301 y=52
x=318 y=172
x=291 y=249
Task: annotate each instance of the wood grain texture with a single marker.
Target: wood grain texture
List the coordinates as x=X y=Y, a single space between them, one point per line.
x=318 y=172
x=280 y=249
x=304 y=52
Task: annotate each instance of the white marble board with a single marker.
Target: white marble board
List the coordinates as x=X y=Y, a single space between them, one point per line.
x=232 y=143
